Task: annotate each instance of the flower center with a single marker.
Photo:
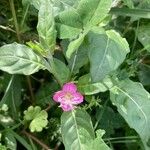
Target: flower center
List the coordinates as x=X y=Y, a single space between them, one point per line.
x=68 y=96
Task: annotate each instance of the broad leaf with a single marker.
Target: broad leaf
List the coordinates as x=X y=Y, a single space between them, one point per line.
x=69 y=24
x=37 y=117
x=133 y=103
x=79 y=58
x=76 y=129
x=144 y=36
x=62 y=71
x=106 y=53
x=20 y=59
x=12 y=96
x=93 y=12
x=86 y=87
x=46 y=26
x=97 y=143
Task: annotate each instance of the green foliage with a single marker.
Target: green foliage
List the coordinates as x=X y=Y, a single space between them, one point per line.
x=85 y=42
x=2 y=147
x=37 y=117
x=10 y=141
x=20 y=59
x=69 y=24
x=62 y=72
x=46 y=31
x=79 y=125
x=98 y=143
x=106 y=52
x=12 y=96
x=92 y=12
x=87 y=88
x=133 y=101
x=144 y=36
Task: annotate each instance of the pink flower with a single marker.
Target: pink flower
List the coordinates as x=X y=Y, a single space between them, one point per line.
x=68 y=97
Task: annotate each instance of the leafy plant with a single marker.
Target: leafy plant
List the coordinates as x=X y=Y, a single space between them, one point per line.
x=89 y=56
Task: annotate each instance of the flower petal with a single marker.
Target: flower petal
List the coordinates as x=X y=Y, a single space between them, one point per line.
x=70 y=87
x=77 y=98
x=58 y=96
x=66 y=107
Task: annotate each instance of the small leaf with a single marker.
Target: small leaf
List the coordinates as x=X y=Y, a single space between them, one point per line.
x=10 y=141
x=133 y=102
x=74 y=45
x=20 y=59
x=60 y=6
x=78 y=58
x=46 y=26
x=144 y=36
x=93 y=12
x=86 y=87
x=77 y=129
x=37 y=117
x=97 y=143
x=68 y=24
x=106 y=53
x=63 y=72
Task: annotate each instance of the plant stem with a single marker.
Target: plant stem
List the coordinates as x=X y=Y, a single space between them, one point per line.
x=30 y=89
x=12 y=7
x=29 y=135
x=48 y=108
x=25 y=15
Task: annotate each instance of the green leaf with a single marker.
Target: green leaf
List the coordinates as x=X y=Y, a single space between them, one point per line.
x=74 y=45
x=59 y=5
x=12 y=96
x=10 y=141
x=144 y=36
x=2 y=147
x=107 y=114
x=98 y=143
x=139 y=13
x=69 y=24
x=20 y=59
x=92 y=12
x=21 y=140
x=46 y=26
x=62 y=71
x=78 y=58
x=87 y=88
x=37 y=117
x=76 y=129
x=106 y=53
x=133 y=102
x=144 y=74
